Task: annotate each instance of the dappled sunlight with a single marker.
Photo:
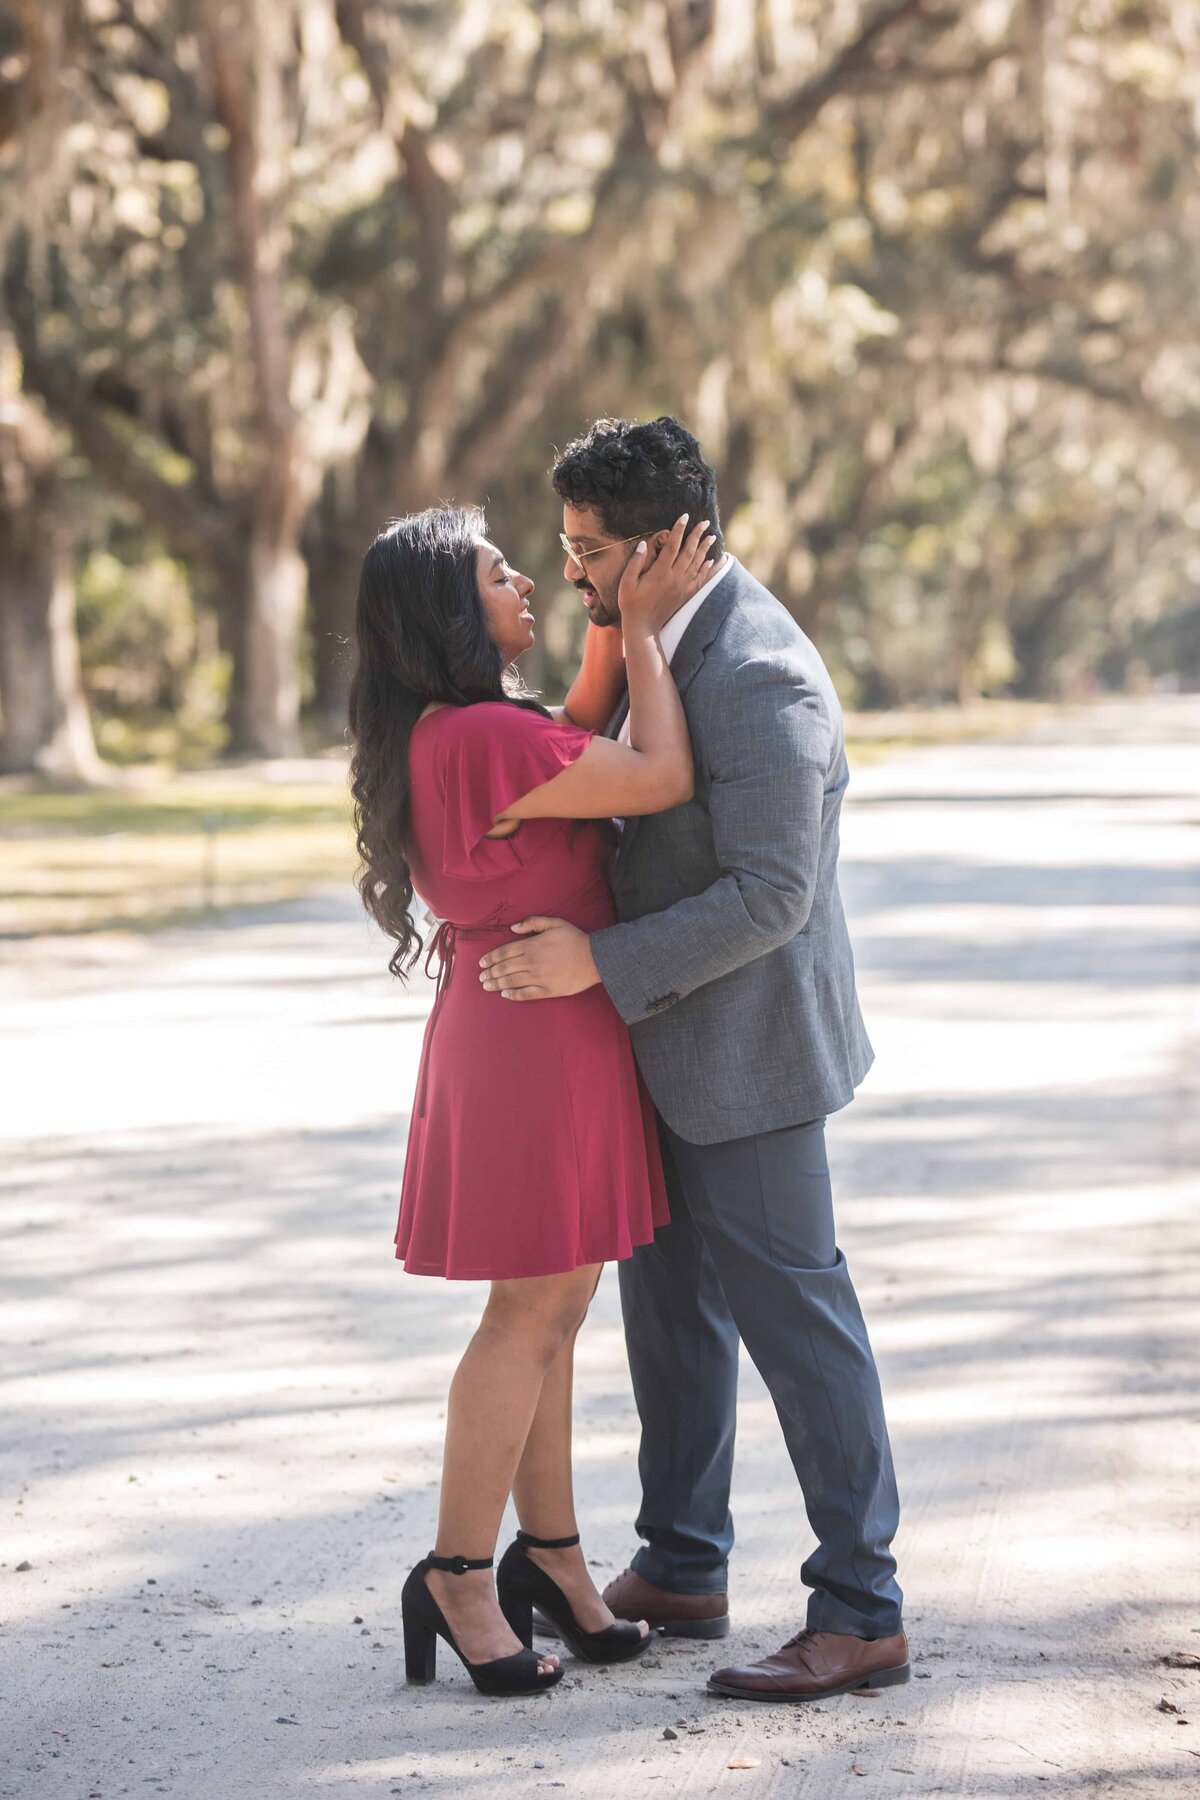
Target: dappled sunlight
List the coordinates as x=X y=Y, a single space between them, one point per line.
x=228 y=1397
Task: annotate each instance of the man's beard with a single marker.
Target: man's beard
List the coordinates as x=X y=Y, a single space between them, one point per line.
x=601 y=609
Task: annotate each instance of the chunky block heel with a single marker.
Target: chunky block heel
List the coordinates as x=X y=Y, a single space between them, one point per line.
x=522 y=1585
x=424 y=1623
x=518 y=1610
x=420 y=1651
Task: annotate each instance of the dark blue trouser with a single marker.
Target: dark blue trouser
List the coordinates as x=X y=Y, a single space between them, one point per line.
x=750 y=1253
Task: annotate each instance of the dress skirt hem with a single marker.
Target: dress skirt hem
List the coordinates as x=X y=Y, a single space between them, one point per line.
x=524 y=1274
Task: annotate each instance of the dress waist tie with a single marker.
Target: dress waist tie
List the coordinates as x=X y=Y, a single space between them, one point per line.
x=442 y=945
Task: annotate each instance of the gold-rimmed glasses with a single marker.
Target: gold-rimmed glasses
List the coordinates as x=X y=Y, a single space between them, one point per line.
x=581 y=556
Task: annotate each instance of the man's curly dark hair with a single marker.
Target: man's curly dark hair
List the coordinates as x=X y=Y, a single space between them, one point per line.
x=639 y=477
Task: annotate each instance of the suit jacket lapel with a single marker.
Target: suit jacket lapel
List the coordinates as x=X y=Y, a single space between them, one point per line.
x=689 y=655
x=693 y=645
x=687 y=660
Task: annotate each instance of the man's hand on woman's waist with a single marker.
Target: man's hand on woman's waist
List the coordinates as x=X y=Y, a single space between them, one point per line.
x=550 y=960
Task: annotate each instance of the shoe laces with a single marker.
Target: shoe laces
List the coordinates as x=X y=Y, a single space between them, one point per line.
x=801 y=1637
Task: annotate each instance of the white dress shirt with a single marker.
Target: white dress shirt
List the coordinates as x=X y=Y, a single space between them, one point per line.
x=672 y=632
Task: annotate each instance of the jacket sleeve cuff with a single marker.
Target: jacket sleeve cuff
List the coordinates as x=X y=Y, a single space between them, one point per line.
x=627 y=981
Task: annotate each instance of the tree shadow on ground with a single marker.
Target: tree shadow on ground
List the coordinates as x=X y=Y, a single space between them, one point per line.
x=262 y=1251
x=874 y=885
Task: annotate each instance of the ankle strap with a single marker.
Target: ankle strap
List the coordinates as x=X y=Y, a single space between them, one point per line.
x=536 y=1543
x=458 y=1565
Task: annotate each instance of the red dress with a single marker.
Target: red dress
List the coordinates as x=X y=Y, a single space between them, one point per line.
x=532 y=1148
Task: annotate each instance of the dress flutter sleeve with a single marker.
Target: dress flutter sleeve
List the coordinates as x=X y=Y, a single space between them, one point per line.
x=494 y=754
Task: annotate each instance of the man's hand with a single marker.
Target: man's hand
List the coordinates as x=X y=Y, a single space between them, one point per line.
x=554 y=959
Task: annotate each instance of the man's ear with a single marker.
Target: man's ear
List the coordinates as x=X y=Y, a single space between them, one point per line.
x=654 y=544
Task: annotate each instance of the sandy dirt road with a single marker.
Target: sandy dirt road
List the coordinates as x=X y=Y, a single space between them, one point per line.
x=222 y=1398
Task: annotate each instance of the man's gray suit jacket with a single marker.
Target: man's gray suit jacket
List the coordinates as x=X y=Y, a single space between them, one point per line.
x=731 y=963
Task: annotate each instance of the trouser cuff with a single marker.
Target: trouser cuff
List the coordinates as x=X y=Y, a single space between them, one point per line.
x=825 y=1613
x=667 y=1572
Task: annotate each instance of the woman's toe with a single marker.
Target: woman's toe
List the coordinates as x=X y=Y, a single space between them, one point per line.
x=643 y=1628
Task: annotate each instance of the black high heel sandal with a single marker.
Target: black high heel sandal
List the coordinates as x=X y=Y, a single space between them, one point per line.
x=522 y=1585
x=425 y=1623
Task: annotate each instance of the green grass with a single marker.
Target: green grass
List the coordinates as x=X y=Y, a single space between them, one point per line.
x=162 y=810
x=166 y=849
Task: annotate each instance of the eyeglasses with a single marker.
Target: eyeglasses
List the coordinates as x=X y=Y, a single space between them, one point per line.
x=581 y=556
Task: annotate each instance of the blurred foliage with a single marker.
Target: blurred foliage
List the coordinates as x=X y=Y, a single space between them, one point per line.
x=921 y=278
x=152 y=667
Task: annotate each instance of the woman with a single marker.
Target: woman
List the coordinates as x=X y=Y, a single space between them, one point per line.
x=532 y=1155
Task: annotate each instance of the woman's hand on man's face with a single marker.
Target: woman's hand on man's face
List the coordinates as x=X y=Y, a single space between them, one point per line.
x=652 y=591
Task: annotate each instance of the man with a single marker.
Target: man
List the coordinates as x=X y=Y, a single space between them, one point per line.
x=732 y=966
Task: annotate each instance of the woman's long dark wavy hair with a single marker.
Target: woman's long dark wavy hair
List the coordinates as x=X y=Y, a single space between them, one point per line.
x=422 y=635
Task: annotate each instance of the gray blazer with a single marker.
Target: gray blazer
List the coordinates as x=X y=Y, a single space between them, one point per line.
x=732 y=963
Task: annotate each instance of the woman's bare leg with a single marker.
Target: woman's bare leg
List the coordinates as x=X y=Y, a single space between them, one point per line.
x=544 y=1496
x=493 y=1400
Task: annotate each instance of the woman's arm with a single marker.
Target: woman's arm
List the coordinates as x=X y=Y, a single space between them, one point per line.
x=654 y=770
x=593 y=695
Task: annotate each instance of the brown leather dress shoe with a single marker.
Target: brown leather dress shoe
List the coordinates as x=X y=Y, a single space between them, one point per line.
x=675 y=1615
x=815 y=1664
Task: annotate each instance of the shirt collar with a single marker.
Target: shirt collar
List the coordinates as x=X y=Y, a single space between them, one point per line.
x=672 y=632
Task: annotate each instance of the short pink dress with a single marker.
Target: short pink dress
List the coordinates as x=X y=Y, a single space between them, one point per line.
x=532 y=1148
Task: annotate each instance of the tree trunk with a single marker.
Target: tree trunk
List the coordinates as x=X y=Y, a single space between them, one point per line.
x=44 y=724
x=334 y=559
x=331 y=611
x=244 y=65
x=264 y=707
